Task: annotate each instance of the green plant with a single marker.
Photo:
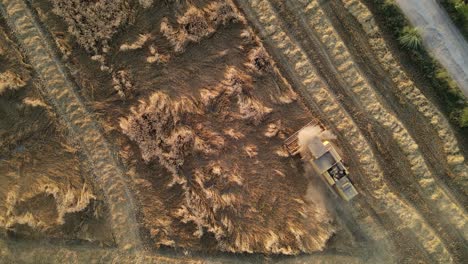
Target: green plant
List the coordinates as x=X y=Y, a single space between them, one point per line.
x=410 y=38
x=452 y=86
x=463 y=119
x=394 y=22
x=458 y=12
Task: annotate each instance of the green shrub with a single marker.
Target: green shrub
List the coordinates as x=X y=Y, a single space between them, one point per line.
x=458 y=12
x=452 y=86
x=463 y=119
x=446 y=89
x=410 y=38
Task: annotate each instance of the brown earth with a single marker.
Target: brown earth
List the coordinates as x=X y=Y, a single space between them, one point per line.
x=195 y=101
x=45 y=188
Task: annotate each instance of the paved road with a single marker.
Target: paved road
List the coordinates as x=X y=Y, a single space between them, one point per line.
x=440 y=36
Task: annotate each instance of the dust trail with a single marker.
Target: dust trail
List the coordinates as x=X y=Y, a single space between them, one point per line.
x=312 y=136
x=316 y=194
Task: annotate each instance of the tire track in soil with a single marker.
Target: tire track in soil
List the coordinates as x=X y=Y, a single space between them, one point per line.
x=430 y=193
x=327 y=57
x=318 y=97
x=410 y=92
x=426 y=136
x=60 y=91
x=45 y=252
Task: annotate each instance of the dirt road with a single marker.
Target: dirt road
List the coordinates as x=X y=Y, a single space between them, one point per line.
x=440 y=36
x=46 y=252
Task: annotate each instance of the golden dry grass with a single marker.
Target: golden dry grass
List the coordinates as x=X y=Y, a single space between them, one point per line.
x=219 y=197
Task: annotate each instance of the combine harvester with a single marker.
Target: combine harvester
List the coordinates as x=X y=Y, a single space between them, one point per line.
x=325 y=160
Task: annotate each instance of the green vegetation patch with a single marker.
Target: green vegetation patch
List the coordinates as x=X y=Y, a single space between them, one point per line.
x=458 y=12
x=410 y=42
x=410 y=38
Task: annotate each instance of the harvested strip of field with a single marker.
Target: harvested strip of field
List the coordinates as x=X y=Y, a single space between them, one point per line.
x=317 y=90
x=60 y=91
x=45 y=189
x=408 y=89
x=350 y=73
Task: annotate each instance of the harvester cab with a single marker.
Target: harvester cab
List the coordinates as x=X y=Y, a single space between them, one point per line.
x=325 y=160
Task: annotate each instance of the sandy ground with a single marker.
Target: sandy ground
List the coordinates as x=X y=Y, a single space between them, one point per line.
x=440 y=36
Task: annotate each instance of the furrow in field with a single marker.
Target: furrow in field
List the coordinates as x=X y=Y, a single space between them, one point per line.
x=406 y=86
x=371 y=102
x=314 y=88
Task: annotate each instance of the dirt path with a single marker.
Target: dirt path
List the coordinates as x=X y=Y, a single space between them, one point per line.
x=60 y=91
x=440 y=36
x=46 y=252
x=35 y=251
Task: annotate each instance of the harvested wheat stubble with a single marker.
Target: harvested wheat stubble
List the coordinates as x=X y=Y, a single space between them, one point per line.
x=38 y=185
x=193 y=26
x=137 y=44
x=407 y=87
x=219 y=196
x=358 y=83
x=198 y=23
x=317 y=89
x=60 y=91
x=260 y=63
x=42 y=189
x=10 y=81
x=122 y=83
x=259 y=60
x=21 y=252
x=221 y=13
x=156 y=56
